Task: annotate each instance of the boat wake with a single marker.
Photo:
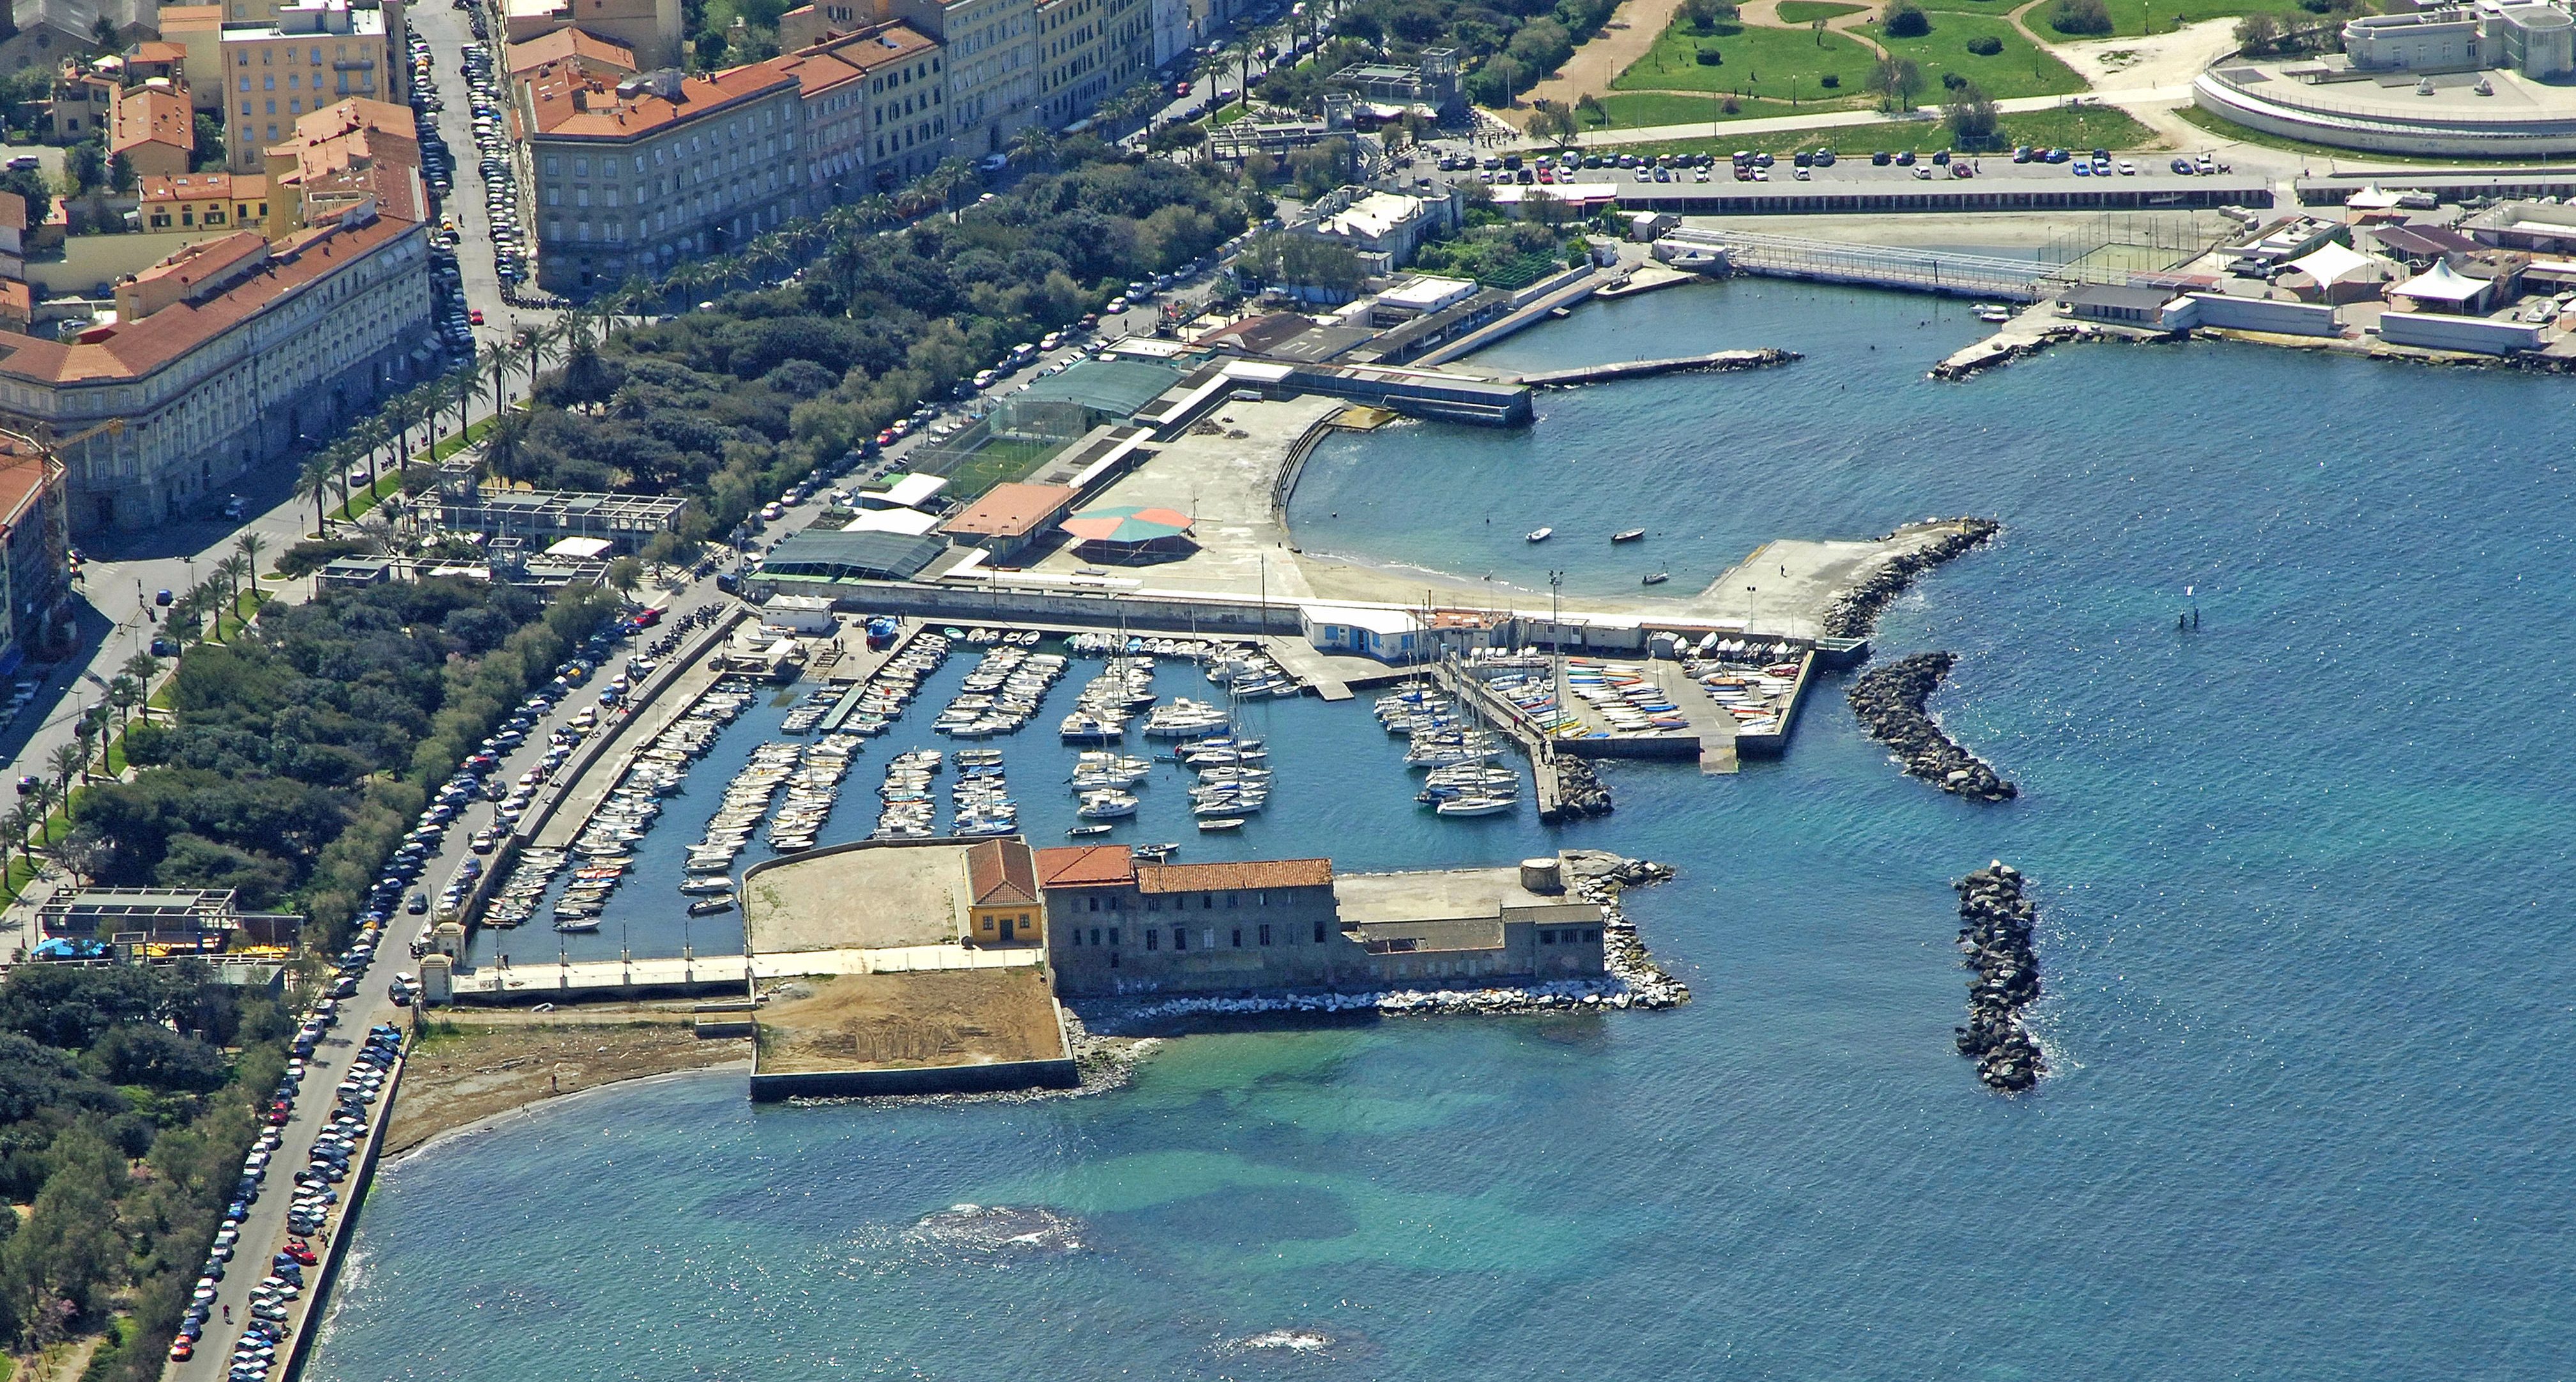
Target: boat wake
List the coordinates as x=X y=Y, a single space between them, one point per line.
x=1282 y=1340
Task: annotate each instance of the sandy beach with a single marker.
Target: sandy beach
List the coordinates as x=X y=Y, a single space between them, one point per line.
x=473 y=1064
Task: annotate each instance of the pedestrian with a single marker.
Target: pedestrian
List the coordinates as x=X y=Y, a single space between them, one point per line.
x=228 y=1314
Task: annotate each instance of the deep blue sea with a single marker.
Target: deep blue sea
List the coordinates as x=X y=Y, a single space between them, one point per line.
x=2305 y=876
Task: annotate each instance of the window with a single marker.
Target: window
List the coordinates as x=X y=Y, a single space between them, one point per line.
x=1113 y=935
x=1095 y=935
x=1547 y=938
x=1319 y=933
x=1238 y=938
x=1153 y=939
x=1153 y=904
x=1265 y=935
x=1180 y=938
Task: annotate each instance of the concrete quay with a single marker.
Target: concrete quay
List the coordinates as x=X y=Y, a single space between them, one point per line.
x=575 y=981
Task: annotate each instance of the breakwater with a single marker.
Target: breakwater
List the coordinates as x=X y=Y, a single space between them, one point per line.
x=1890 y=701
x=1854 y=612
x=1715 y=361
x=1994 y=937
x=1599 y=877
x=1579 y=790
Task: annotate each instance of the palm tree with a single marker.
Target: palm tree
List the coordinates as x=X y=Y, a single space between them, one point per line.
x=250 y=546
x=314 y=483
x=498 y=357
x=143 y=667
x=238 y=576
x=20 y=822
x=123 y=694
x=66 y=761
x=1034 y=145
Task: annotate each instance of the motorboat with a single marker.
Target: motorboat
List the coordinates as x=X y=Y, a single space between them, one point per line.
x=1155 y=853
x=1538 y=534
x=1628 y=535
x=1993 y=312
x=1080 y=832
x=1107 y=806
x=578 y=926
x=1222 y=823
x=709 y=906
x=1657 y=577
x=707 y=887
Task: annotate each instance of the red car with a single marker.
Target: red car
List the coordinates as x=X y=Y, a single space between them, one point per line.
x=181 y=1351
x=475 y=316
x=648 y=616
x=300 y=1251
x=886 y=437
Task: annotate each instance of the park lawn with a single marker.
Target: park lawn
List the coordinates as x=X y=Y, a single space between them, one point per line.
x=2023 y=68
x=1997 y=8
x=2134 y=18
x=1809 y=11
x=2079 y=127
x=1636 y=110
x=1783 y=64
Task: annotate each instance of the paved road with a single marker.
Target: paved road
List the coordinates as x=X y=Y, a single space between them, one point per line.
x=448 y=30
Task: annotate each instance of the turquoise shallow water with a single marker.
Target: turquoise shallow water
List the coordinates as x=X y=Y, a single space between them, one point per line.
x=2304 y=877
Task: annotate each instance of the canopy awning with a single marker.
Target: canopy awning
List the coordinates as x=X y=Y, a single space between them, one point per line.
x=1127 y=524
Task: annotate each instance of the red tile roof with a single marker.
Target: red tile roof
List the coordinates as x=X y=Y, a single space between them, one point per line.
x=569 y=43
x=1086 y=866
x=999 y=874
x=22 y=479
x=148 y=115
x=574 y=100
x=1251 y=873
x=138 y=348
x=1011 y=509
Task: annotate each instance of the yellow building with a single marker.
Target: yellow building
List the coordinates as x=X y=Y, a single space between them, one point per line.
x=1002 y=902
x=204 y=201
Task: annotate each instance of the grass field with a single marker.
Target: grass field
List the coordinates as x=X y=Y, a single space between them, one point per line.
x=2082 y=127
x=2132 y=18
x=1782 y=64
x=1809 y=11
x=1632 y=110
x=2222 y=129
x=2023 y=68
x=2092 y=127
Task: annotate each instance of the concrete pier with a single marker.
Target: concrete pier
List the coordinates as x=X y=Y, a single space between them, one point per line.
x=1640 y=369
x=603 y=979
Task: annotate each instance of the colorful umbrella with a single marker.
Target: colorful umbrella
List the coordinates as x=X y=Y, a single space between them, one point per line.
x=1129 y=523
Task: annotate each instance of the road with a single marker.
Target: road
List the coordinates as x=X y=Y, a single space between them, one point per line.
x=448 y=31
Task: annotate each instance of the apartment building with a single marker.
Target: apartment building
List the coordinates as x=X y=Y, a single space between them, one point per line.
x=874 y=111
x=992 y=67
x=33 y=573
x=225 y=355
x=209 y=201
x=625 y=177
x=1089 y=50
x=153 y=128
x=649 y=29
x=304 y=57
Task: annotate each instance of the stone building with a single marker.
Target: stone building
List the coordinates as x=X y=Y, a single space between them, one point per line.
x=1120 y=927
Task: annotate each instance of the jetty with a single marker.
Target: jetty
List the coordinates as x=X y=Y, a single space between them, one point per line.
x=1715 y=360
x=1941 y=272
x=687 y=974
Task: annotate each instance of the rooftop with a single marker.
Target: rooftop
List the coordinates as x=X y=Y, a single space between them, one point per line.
x=574 y=99
x=1086 y=866
x=1226 y=877
x=848 y=555
x=1118 y=387
x=188 y=187
x=569 y=43
x=1011 y=509
x=153 y=115
x=999 y=873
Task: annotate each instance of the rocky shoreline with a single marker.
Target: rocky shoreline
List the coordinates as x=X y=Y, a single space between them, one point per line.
x=1855 y=612
x=1994 y=936
x=1889 y=700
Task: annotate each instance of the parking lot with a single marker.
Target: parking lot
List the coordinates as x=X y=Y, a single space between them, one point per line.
x=1826 y=165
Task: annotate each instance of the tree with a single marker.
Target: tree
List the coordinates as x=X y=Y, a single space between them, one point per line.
x=624 y=574
x=1034 y=145
x=1906 y=19
x=120 y=172
x=31 y=188
x=2087 y=17
x=1554 y=123
x=250 y=545
x=208 y=152
x=1706 y=15
x=85 y=165
x=1895 y=80
x=1541 y=207
x=2258 y=33
x=314 y=483
x=66 y=761
x=1590 y=108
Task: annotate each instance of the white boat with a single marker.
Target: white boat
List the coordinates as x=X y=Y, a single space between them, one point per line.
x=1539 y=534
x=1083 y=831
x=709 y=906
x=582 y=926
x=1993 y=312
x=707 y=887
x=1225 y=823
x=1476 y=806
x=1107 y=806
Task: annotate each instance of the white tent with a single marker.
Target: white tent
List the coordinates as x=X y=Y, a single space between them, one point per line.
x=2442 y=284
x=2334 y=262
x=2370 y=199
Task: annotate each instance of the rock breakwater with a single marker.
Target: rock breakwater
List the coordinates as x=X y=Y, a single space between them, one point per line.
x=1889 y=700
x=1579 y=790
x=1855 y=612
x=1995 y=919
